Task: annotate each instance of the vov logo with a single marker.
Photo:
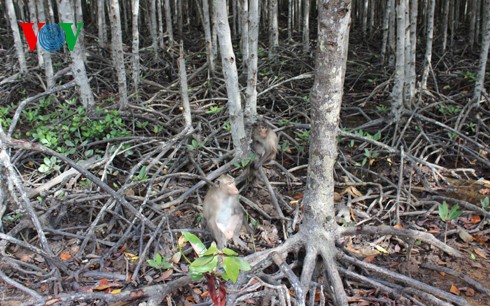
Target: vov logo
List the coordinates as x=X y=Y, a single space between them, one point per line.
x=51 y=37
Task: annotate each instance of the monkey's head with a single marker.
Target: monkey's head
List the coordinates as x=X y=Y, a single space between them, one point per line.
x=226 y=184
x=261 y=130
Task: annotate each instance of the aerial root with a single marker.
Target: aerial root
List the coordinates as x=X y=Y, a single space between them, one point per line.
x=407 y=281
x=412 y=234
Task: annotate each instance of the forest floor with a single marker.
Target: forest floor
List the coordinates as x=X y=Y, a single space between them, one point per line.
x=140 y=153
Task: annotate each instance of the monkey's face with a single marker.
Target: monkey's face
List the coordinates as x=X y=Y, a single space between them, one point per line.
x=227 y=185
x=262 y=131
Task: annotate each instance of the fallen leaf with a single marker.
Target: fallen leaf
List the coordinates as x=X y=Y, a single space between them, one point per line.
x=465 y=236
x=65 y=256
x=454 y=290
x=470 y=292
x=480 y=253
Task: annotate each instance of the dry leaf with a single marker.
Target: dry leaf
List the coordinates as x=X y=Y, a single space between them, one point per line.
x=480 y=253
x=65 y=256
x=470 y=292
x=454 y=290
x=176 y=257
x=465 y=236
x=399 y=226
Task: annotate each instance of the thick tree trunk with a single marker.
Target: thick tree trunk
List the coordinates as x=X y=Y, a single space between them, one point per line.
x=326 y=99
x=428 y=46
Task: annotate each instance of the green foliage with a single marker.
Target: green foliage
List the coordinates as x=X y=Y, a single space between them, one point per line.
x=485 y=203
x=261 y=52
x=447 y=215
x=141 y=125
x=243 y=163
x=227 y=126
x=12 y=217
x=449 y=109
x=383 y=108
x=369 y=156
x=284 y=146
x=215 y=109
x=72 y=126
x=159 y=262
x=452 y=136
x=471 y=126
x=470 y=76
x=212 y=260
x=362 y=133
x=194 y=145
x=50 y=164
x=304 y=135
x=284 y=122
x=142 y=175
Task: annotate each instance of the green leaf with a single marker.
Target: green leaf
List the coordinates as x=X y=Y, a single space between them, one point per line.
x=195 y=242
x=213 y=250
x=204 y=264
x=443 y=211
x=229 y=252
x=455 y=212
x=232 y=267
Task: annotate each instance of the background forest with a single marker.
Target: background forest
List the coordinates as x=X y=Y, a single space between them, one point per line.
x=116 y=120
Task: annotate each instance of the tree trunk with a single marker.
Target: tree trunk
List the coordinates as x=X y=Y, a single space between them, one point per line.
x=118 y=53
x=273 y=29
x=101 y=23
x=306 y=27
x=77 y=66
x=168 y=21
x=253 y=41
x=136 y=46
x=326 y=99
x=228 y=61
x=207 y=35
x=48 y=64
x=480 y=81
x=428 y=46
x=19 y=49
x=398 y=88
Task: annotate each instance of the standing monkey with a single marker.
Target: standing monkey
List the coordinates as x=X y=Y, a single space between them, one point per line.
x=223 y=213
x=264 y=143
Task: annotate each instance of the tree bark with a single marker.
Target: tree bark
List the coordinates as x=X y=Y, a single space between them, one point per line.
x=228 y=61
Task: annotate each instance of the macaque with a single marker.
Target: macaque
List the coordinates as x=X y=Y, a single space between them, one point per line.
x=264 y=143
x=223 y=212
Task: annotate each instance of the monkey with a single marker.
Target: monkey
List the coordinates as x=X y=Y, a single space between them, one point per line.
x=264 y=143
x=223 y=213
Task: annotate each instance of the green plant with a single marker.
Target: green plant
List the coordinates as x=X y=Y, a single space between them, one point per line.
x=452 y=136
x=12 y=217
x=157 y=129
x=243 y=163
x=284 y=122
x=212 y=260
x=369 y=156
x=304 y=135
x=449 y=109
x=50 y=165
x=142 y=175
x=470 y=76
x=194 y=145
x=485 y=203
x=141 y=125
x=284 y=147
x=215 y=109
x=471 y=126
x=159 y=262
x=227 y=126
x=383 y=108
x=447 y=215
